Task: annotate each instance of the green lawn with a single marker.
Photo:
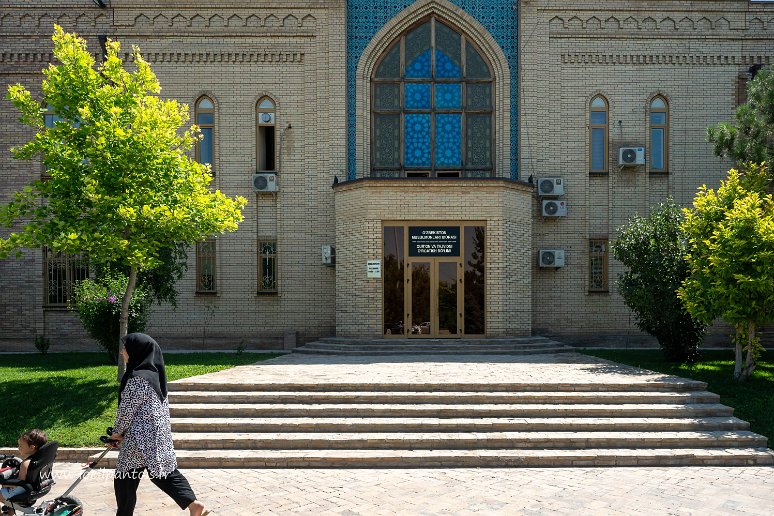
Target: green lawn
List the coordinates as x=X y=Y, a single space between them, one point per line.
x=74 y=396
x=752 y=401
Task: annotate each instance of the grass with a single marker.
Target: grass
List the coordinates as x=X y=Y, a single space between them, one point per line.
x=74 y=396
x=753 y=401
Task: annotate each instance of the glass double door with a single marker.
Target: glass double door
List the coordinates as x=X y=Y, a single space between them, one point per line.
x=434 y=279
x=434 y=297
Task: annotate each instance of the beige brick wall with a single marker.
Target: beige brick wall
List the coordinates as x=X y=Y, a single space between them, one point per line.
x=689 y=52
x=628 y=52
x=234 y=53
x=504 y=206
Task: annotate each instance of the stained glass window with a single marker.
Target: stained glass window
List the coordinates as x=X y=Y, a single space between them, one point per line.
x=432 y=106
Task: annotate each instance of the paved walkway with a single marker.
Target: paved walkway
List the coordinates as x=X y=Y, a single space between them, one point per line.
x=350 y=492
x=560 y=368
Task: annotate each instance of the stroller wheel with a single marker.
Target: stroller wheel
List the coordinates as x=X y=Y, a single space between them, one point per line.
x=66 y=506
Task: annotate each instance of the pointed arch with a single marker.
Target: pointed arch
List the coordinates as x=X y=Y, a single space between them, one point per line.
x=658 y=134
x=204 y=116
x=599 y=124
x=266 y=133
x=451 y=15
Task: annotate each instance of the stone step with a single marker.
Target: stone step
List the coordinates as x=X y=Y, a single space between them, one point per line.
x=395 y=341
x=432 y=347
x=204 y=410
x=445 y=352
x=467 y=458
x=512 y=424
x=210 y=384
x=398 y=397
x=467 y=441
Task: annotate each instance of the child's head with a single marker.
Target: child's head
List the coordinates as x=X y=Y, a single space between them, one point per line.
x=31 y=441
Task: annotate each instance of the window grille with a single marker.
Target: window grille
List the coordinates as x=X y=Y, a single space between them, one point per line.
x=62 y=273
x=206 y=267
x=267 y=266
x=598 y=265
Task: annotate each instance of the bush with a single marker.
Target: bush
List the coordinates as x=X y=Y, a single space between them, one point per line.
x=42 y=344
x=98 y=303
x=653 y=249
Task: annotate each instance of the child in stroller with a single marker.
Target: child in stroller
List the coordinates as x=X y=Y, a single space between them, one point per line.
x=29 y=443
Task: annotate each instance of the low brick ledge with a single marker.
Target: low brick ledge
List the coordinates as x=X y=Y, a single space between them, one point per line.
x=64 y=454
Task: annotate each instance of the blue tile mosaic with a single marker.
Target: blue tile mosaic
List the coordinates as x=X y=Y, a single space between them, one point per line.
x=448 y=140
x=448 y=96
x=417 y=141
x=418 y=95
x=365 y=19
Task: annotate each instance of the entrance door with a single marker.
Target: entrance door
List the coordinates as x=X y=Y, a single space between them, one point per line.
x=433 y=280
x=434 y=296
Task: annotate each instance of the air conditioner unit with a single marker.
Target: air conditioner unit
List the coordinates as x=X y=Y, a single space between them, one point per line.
x=329 y=255
x=551 y=258
x=550 y=186
x=631 y=156
x=265 y=182
x=266 y=118
x=554 y=208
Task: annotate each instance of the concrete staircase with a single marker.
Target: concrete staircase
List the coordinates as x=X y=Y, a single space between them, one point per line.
x=360 y=424
x=436 y=347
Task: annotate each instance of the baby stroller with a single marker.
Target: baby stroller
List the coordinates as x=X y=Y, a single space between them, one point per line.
x=40 y=481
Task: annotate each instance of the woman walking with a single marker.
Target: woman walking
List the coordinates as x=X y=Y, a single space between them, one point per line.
x=144 y=432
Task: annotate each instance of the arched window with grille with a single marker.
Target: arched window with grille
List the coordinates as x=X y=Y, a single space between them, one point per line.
x=431 y=106
x=205 y=119
x=598 y=135
x=659 y=135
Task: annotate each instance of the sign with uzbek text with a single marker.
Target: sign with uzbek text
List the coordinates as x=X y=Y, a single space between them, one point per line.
x=374 y=269
x=434 y=241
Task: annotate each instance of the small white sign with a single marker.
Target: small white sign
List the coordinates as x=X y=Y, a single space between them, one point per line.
x=374 y=268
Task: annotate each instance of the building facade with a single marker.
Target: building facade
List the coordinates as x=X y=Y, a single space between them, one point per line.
x=426 y=169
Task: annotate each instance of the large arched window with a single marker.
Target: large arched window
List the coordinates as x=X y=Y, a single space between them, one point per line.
x=598 y=124
x=431 y=106
x=659 y=135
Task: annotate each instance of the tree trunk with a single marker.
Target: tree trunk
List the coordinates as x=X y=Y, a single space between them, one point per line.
x=123 y=321
x=738 y=354
x=749 y=363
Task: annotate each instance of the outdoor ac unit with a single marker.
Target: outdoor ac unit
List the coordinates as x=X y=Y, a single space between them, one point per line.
x=265 y=182
x=554 y=208
x=550 y=186
x=631 y=156
x=551 y=258
x=329 y=255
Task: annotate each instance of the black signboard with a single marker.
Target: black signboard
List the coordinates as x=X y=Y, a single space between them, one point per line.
x=434 y=241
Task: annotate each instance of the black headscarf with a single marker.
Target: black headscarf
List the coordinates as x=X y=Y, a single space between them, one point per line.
x=146 y=361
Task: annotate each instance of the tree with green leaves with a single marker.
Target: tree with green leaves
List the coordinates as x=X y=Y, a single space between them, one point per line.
x=731 y=259
x=121 y=187
x=750 y=138
x=653 y=250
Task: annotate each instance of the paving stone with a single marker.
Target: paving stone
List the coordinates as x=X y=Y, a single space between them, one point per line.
x=593 y=491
